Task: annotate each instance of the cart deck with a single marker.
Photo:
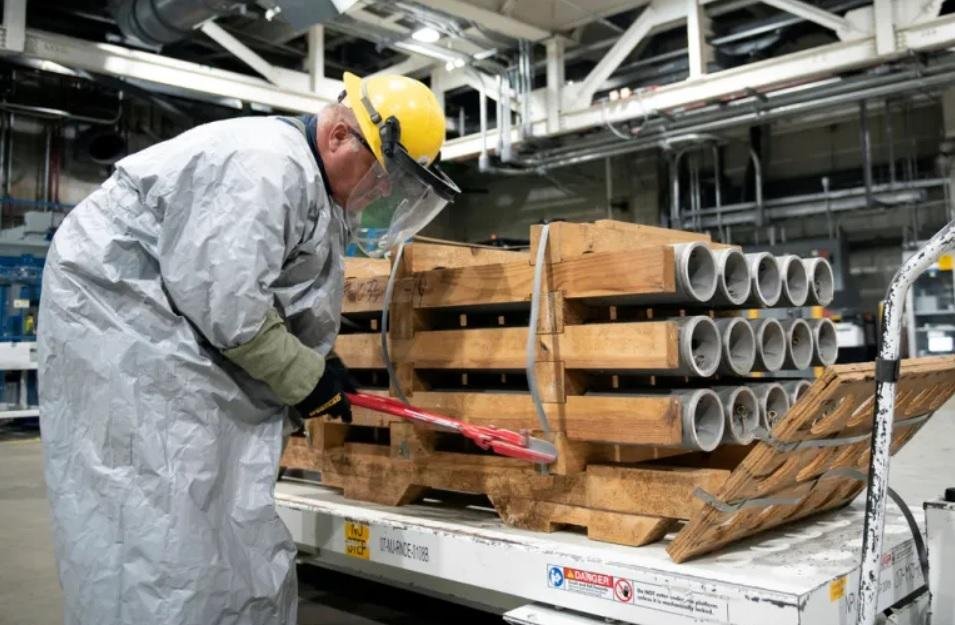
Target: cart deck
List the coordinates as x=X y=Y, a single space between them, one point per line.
x=805 y=572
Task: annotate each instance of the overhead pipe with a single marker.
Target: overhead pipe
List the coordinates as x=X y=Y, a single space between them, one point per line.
x=722 y=118
x=796 y=389
x=742 y=412
x=734 y=283
x=766 y=288
x=773 y=403
x=825 y=343
x=799 y=344
x=159 y=23
x=738 y=342
x=795 y=283
x=770 y=344
x=821 y=281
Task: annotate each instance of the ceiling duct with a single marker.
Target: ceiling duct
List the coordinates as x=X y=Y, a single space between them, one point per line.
x=304 y=13
x=159 y=22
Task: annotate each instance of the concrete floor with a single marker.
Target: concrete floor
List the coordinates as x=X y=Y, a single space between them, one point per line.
x=30 y=592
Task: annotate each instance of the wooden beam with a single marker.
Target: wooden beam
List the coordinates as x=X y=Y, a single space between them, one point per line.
x=621 y=346
x=366 y=267
x=666 y=491
x=569 y=240
x=360 y=351
x=419 y=257
x=637 y=271
x=643 y=420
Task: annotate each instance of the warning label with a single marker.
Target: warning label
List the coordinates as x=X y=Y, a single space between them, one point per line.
x=676 y=601
x=357 y=535
x=642 y=594
x=623 y=590
x=580 y=581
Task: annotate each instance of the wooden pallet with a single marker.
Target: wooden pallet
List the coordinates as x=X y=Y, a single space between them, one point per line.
x=458 y=330
x=634 y=495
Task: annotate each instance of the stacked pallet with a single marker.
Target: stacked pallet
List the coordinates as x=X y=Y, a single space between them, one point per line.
x=644 y=366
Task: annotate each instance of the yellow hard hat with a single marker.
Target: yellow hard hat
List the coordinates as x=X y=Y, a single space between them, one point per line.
x=409 y=101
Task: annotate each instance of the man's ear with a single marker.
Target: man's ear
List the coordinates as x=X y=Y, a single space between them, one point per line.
x=338 y=135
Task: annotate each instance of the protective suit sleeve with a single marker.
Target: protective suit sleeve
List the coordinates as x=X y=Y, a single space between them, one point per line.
x=279 y=359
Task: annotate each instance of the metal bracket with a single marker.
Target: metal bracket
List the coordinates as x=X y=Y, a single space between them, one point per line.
x=887 y=370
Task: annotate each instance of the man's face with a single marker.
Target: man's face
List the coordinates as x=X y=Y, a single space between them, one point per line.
x=347 y=161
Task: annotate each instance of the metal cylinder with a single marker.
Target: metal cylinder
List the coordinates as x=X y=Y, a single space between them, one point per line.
x=795 y=283
x=821 y=281
x=796 y=389
x=738 y=342
x=695 y=277
x=770 y=344
x=741 y=410
x=733 y=285
x=703 y=419
x=160 y=22
x=825 y=345
x=700 y=346
x=773 y=403
x=766 y=284
x=799 y=344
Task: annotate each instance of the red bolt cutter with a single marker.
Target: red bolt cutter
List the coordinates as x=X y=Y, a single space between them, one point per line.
x=504 y=442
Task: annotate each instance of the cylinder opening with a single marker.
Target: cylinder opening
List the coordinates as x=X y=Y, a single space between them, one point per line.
x=767 y=283
x=742 y=415
x=772 y=344
x=698 y=272
x=707 y=420
x=823 y=282
x=797 y=390
x=735 y=279
x=775 y=405
x=739 y=346
x=702 y=347
x=800 y=347
x=827 y=344
x=796 y=282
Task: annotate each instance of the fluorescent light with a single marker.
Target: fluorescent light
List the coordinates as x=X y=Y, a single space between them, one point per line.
x=426 y=35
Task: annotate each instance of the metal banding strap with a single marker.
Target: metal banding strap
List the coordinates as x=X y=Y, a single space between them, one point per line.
x=763 y=502
x=784 y=447
x=887 y=370
x=764 y=436
x=531 y=345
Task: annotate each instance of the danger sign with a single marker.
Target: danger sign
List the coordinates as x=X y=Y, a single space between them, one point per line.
x=623 y=590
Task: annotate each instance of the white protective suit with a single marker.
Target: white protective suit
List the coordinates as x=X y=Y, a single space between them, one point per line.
x=161 y=453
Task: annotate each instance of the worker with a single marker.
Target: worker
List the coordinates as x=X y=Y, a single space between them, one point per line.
x=187 y=304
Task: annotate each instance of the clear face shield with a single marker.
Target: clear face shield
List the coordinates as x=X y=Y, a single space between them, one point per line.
x=394 y=201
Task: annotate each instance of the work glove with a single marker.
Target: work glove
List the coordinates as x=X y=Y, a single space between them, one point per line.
x=328 y=396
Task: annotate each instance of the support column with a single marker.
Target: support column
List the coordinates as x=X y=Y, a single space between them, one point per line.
x=885 y=26
x=697 y=30
x=15 y=24
x=555 y=81
x=315 y=61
